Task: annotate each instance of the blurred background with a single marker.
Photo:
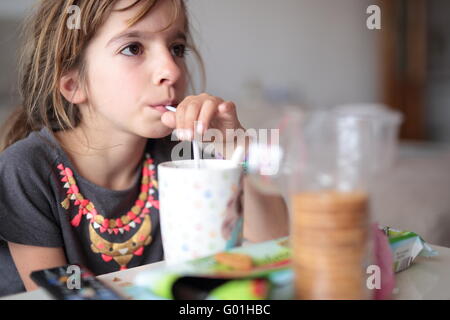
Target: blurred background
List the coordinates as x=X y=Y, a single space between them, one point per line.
x=263 y=54
x=304 y=52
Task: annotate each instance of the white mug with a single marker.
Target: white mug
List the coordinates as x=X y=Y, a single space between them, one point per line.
x=200 y=208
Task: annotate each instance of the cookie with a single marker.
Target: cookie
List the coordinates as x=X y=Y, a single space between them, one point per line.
x=331 y=220
x=332 y=201
x=328 y=261
x=330 y=210
x=235 y=261
x=310 y=284
x=330 y=236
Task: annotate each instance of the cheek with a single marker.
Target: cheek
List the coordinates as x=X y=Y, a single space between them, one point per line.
x=113 y=82
x=182 y=86
x=183 y=82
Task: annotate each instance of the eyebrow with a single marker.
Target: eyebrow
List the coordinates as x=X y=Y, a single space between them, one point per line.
x=139 y=34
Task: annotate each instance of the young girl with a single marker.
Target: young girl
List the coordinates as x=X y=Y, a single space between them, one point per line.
x=78 y=173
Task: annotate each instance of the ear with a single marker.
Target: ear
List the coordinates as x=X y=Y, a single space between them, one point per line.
x=71 y=88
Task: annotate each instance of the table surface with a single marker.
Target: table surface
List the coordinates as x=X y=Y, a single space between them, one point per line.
x=427 y=278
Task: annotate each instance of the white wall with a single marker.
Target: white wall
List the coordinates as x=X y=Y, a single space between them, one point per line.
x=320 y=50
x=314 y=52
x=14 y=8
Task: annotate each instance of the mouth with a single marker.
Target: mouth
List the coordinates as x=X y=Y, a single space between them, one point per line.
x=161 y=107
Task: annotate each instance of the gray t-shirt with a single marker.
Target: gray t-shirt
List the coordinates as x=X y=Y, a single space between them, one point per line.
x=40 y=206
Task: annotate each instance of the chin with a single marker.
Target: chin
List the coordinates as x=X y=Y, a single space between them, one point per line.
x=157 y=132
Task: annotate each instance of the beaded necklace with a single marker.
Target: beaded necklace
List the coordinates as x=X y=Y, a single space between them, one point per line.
x=120 y=225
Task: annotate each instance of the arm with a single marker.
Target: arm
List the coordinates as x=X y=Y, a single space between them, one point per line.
x=265 y=216
x=30 y=258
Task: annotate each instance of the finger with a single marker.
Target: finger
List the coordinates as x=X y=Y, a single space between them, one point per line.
x=169 y=119
x=227 y=110
x=179 y=117
x=207 y=113
x=190 y=118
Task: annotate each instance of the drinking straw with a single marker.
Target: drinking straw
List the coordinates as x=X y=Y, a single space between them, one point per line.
x=238 y=155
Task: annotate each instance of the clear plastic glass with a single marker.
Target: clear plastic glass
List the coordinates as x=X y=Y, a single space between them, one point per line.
x=329 y=191
x=324 y=163
x=385 y=124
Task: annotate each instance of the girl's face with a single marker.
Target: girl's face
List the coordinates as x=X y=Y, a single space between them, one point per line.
x=132 y=70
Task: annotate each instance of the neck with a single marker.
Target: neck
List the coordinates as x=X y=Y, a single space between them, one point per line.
x=108 y=159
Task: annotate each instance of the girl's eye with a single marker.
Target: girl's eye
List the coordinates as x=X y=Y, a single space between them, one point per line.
x=179 y=50
x=133 y=49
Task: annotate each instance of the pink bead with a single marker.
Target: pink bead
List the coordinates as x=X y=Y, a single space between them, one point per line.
x=74 y=188
x=69 y=172
x=140 y=203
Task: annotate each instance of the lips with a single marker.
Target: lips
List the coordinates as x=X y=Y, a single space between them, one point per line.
x=161 y=106
x=161 y=109
x=164 y=104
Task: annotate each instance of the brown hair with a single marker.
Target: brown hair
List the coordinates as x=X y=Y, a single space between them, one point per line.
x=50 y=51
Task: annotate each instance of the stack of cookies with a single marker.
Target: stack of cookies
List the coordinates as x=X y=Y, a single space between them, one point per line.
x=329 y=238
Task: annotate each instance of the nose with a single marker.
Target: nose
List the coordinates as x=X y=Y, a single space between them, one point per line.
x=166 y=69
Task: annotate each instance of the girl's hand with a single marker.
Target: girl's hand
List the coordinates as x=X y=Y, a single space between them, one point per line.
x=200 y=113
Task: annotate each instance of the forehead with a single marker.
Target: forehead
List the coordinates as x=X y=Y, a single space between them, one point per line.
x=160 y=17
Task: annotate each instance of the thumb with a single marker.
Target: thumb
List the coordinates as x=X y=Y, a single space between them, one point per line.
x=168 y=119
